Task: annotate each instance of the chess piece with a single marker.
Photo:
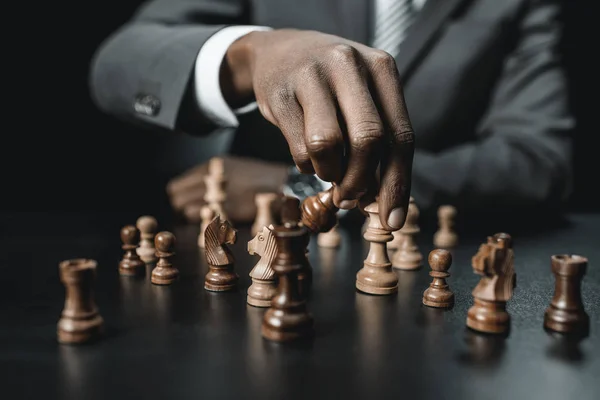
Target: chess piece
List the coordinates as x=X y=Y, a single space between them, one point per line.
x=396 y=242
x=216 y=185
x=288 y=319
x=408 y=256
x=319 y=214
x=263 y=287
x=376 y=276
x=131 y=264
x=147 y=226
x=264 y=211
x=221 y=276
x=445 y=237
x=495 y=263
x=566 y=313
x=80 y=321
x=331 y=239
x=438 y=294
x=165 y=272
x=206 y=215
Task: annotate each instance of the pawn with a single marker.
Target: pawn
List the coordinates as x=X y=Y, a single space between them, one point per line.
x=131 y=264
x=264 y=211
x=396 y=243
x=147 y=226
x=438 y=294
x=566 y=313
x=331 y=239
x=408 y=257
x=80 y=321
x=206 y=215
x=445 y=237
x=164 y=273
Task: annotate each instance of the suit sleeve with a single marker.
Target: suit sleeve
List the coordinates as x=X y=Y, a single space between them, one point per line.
x=142 y=73
x=522 y=156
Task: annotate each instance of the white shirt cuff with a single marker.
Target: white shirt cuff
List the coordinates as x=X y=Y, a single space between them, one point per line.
x=206 y=76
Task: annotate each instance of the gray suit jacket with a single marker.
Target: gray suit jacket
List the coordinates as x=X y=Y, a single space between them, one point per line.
x=483 y=82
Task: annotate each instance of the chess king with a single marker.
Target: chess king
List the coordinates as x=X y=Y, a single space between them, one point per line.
x=495 y=263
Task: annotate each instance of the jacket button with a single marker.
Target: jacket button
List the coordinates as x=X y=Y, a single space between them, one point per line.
x=147 y=105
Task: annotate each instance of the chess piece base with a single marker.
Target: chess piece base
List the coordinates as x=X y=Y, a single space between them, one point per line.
x=286 y=328
x=132 y=267
x=445 y=240
x=163 y=276
x=260 y=293
x=377 y=279
x=407 y=262
x=79 y=331
x=220 y=278
x=438 y=302
x=564 y=321
x=488 y=317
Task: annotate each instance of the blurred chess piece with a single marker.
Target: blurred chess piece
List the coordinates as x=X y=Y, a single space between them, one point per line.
x=495 y=263
x=165 y=272
x=131 y=264
x=216 y=186
x=438 y=294
x=80 y=321
x=376 y=276
x=445 y=237
x=331 y=239
x=147 y=226
x=221 y=275
x=319 y=214
x=264 y=211
x=396 y=242
x=408 y=256
x=566 y=313
x=206 y=215
x=263 y=287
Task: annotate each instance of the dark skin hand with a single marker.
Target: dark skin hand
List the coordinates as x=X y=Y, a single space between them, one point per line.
x=339 y=105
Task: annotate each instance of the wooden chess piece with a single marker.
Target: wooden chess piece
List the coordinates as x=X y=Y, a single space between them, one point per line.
x=445 y=237
x=221 y=275
x=263 y=287
x=80 y=321
x=165 y=272
x=396 y=242
x=131 y=264
x=495 y=263
x=408 y=256
x=566 y=313
x=376 y=276
x=331 y=239
x=216 y=186
x=438 y=294
x=264 y=211
x=319 y=214
x=288 y=318
x=147 y=226
x=206 y=216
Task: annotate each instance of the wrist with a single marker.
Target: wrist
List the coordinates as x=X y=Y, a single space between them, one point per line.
x=236 y=72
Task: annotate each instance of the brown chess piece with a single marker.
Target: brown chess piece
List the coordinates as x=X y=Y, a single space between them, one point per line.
x=263 y=287
x=495 y=263
x=165 y=272
x=80 y=321
x=206 y=216
x=438 y=294
x=331 y=239
x=131 y=264
x=288 y=318
x=445 y=237
x=319 y=214
x=264 y=211
x=221 y=275
x=408 y=256
x=566 y=313
x=147 y=225
x=376 y=276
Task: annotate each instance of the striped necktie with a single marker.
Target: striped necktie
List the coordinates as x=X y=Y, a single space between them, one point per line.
x=392 y=20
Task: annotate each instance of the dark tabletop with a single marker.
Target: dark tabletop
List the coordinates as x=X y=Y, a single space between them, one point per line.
x=182 y=342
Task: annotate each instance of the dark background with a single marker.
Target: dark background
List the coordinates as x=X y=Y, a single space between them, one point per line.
x=62 y=154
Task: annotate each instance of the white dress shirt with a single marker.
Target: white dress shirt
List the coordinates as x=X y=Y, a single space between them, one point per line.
x=208 y=65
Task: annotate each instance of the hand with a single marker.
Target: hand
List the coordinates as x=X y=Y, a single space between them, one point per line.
x=246 y=177
x=339 y=105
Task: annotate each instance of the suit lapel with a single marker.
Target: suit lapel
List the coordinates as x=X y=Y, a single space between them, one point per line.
x=421 y=34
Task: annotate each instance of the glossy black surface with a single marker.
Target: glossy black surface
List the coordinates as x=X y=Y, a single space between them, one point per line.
x=182 y=342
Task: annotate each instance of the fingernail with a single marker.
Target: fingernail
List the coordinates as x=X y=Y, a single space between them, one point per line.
x=348 y=204
x=396 y=218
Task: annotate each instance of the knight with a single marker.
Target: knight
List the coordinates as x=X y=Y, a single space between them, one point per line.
x=494 y=261
x=263 y=287
x=221 y=276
